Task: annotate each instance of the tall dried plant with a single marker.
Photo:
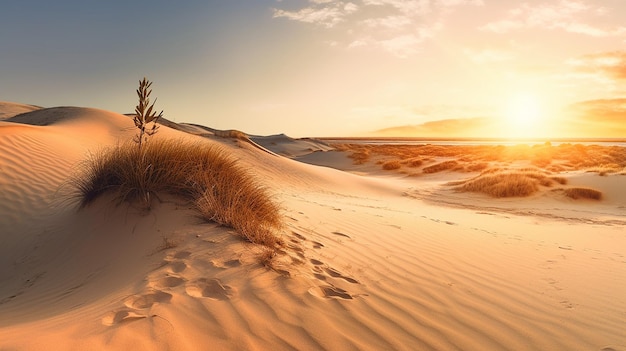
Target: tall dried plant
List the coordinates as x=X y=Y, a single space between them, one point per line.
x=144 y=113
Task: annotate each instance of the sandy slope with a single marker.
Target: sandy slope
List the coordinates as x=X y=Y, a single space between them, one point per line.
x=372 y=262
x=10 y=109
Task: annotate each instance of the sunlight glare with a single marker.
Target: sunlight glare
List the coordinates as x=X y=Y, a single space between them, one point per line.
x=523 y=115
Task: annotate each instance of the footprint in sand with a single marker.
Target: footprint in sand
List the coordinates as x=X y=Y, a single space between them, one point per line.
x=147 y=300
x=317 y=245
x=299 y=236
x=182 y=254
x=178 y=266
x=330 y=292
x=316 y=262
x=168 y=282
x=211 y=288
x=335 y=274
x=226 y=264
x=122 y=316
x=341 y=234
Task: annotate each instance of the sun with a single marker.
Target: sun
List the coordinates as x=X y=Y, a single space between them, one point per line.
x=523 y=116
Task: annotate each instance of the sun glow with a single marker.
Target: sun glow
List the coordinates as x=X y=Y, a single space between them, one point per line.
x=523 y=116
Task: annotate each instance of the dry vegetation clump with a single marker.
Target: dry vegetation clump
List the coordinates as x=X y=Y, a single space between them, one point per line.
x=440 y=167
x=360 y=157
x=231 y=133
x=221 y=190
x=568 y=156
x=502 y=183
x=606 y=169
x=583 y=193
x=145 y=113
x=360 y=154
x=477 y=167
x=413 y=162
x=391 y=165
x=228 y=195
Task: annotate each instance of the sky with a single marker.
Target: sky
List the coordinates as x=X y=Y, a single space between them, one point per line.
x=306 y=68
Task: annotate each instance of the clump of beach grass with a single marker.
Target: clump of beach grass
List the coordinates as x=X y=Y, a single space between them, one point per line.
x=392 y=165
x=583 y=193
x=440 y=167
x=220 y=189
x=506 y=183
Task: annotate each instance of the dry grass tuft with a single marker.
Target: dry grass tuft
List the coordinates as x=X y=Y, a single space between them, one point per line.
x=392 y=165
x=221 y=190
x=230 y=197
x=498 y=183
x=440 y=167
x=583 y=193
x=266 y=258
x=501 y=185
x=477 y=167
x=564 y=157
x=413 y=162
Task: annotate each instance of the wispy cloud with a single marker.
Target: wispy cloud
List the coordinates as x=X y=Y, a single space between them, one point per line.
x=395 y=26
x=326 y=13
x=565 y=15
x=602 y=118
x=612 y=64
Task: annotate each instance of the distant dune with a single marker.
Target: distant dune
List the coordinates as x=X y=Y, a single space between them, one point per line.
x=374 y=257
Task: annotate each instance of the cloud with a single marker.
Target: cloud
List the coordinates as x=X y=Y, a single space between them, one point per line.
x=611 y=111
x=566 y=15
x=612 y=64
x=389 y=22
x=398 y=27
x=460 y=127
x=326 y=13
x=406 y=7
x=600 y=118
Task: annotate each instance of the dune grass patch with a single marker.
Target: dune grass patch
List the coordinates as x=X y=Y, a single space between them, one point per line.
x=501 y=185
x=440 y=167
x=392 y=165
x=564 y=157
x=506 y=183
x=220 y=189
x=583 y=193
x=413 y=162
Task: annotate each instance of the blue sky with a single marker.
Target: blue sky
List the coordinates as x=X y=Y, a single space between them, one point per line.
x=329 y=67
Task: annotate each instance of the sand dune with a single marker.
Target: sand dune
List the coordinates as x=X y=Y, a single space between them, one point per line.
x=10 y=109
x=371 y=262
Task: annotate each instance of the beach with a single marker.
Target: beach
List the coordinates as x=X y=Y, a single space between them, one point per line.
x=382 y=248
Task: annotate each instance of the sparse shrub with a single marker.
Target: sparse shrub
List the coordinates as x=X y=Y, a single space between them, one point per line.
x=360 y=157
x=439 y=167
x=221 y=190
x=547 y=182
x=391 y=165
x=501 y=185
x=583 y=193
x=266 y=258
x=541 y=161
x=477 y=167
x=144 y=113
x=413 y=162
